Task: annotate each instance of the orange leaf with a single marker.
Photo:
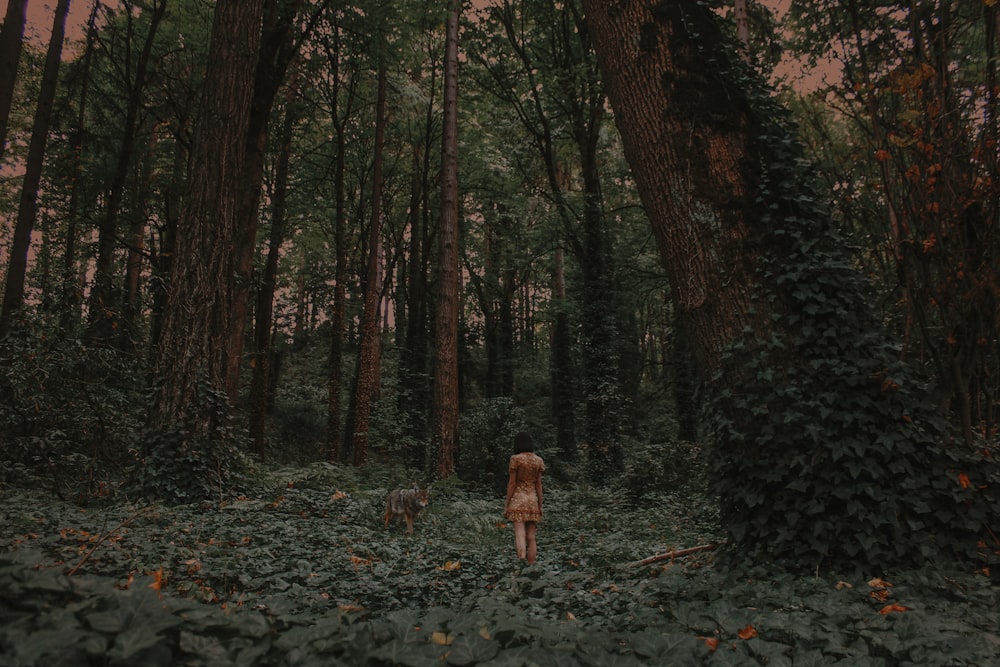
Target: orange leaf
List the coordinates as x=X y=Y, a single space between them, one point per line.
x=889 y=608
x=711 y=642
x=748 y=632
x=157 y=580
x=963 y=479
x=882 y=155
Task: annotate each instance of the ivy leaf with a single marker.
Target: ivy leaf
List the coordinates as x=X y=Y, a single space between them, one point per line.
x=471 y=650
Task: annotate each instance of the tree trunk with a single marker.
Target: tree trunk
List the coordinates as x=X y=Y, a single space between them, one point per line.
x=105 y=317
x=13 y=298
x=366 y=387
x=334 y=410
x=694 y=194
x=69 y=313
x=260 y=383
x=192 y=350
x=11 y=43
x=564 y=395
x=446 y=328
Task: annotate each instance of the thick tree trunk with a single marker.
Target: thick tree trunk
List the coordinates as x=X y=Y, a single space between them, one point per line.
x=13 y=298
x=446 y=329
x=192 y=348
x=277 y=49
x=694 y=194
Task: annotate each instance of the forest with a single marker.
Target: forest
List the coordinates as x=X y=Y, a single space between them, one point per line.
x=734 y=265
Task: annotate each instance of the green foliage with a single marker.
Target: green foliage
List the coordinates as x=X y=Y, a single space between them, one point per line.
x=829 y=449
x=302 y=572
x=67 y=414
x=487 y=433
x=199 y=456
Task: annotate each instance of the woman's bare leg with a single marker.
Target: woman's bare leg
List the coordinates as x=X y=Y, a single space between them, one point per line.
x=519 y=539
x=531 y=549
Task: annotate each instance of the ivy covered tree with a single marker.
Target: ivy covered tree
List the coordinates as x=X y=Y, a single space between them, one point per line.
x=827 y=451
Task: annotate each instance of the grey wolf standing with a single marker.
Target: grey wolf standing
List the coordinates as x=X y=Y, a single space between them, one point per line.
x=406 y=503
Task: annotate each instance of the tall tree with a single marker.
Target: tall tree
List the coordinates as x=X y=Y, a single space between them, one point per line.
x=105 y=317
x=187 y=449
x=11 y=42
x=826 y=450
x=279 y=46
x=69 y=310
x=262 y=352
x=13 y=297
x=445 y=409
x=369 y=345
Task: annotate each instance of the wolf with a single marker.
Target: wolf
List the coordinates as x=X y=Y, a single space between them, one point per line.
x=406 y=503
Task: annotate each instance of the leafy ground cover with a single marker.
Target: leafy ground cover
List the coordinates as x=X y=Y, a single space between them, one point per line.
x=301 y=571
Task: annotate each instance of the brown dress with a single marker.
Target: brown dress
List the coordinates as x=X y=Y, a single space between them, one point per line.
x=524 y=504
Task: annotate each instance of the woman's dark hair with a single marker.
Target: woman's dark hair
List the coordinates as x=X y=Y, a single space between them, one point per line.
x=522 y=443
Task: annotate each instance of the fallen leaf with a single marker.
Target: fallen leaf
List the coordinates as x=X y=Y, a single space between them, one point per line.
x=484 y=633
x=711 y=642
x=963 y=479
x=748 y=632
x=841 y=585
x=450 y=566
x=889 y=608
x=570 y=616
x=442 y=639
x=157 y=580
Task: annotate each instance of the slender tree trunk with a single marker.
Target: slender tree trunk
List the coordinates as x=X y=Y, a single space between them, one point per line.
x=564 y=395
x=71 y=293
x=260 y=383
x=446 y=330
x=105 y=318
x=13 y=300
x=367 y=384
x=11 y=42
x=192 y=347
x=340 y=112
x=742 y=26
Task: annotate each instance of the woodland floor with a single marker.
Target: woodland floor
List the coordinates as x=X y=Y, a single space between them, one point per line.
x=300 y=571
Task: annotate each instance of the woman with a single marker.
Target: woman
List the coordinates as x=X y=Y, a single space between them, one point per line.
x=524 y=496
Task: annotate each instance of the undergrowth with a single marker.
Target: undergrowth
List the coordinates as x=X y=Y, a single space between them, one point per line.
x=302 y=572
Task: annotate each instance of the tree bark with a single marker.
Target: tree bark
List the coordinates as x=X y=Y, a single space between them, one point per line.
x=260 y=383
x=11 y=43
x=446 y=329
x=275 y=55
x=192 y=346
x=694 y=194
x=105 y=318
x=13 y=299
x=366 y=387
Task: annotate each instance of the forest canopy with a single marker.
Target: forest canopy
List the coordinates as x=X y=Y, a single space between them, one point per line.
x=255 y=233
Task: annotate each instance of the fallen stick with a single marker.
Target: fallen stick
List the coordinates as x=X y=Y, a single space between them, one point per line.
x=676 y=553
x=73 y=570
